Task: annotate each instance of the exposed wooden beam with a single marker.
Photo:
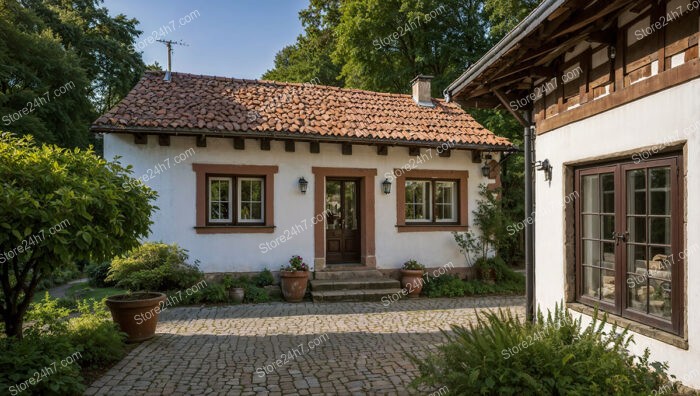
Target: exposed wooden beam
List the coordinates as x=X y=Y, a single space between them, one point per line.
x=314 y=147
x=239 y=143
x=592 y=14
x=265 y=144
x=164 y=140
x=382 y=150
x=140 y=138
x=201 y=141
x=476 y=156
x=506 y=103
x=445 y=153
x=414 y=151
x=347 y=149
x=289 y=146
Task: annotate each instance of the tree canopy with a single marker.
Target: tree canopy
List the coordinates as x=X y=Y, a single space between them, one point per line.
x=63 y=62
x=59 y=206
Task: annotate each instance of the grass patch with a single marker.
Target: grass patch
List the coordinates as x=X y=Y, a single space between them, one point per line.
x=82 y=291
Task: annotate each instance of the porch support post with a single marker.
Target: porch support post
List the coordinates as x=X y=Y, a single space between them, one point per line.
x=529 y=225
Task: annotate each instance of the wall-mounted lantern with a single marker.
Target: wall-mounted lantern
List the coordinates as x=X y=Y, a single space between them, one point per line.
x=303 y=185
x=546 y=167
x=486 y=170
x=386 y=186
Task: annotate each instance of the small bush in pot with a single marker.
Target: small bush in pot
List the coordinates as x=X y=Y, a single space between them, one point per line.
x=412 y=277
x=234 y=288
x=293 y=279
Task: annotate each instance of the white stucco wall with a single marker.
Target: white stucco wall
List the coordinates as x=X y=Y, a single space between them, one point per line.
x=667 y=116
x=175 y=220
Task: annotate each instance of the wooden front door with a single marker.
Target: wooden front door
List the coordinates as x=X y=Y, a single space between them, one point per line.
x=342 y=221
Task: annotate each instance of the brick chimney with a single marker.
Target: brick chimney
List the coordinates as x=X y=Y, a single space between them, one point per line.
x=421 y=90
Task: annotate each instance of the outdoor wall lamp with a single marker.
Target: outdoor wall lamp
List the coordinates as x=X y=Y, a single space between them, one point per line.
x=486 y=169
x=546 y=167
x=386 y=186
x=612 y=52
x=303 y=185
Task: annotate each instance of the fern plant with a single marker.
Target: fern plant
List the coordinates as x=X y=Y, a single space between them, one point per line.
x=502 y=355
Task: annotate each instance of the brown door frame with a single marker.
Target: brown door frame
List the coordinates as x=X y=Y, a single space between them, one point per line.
x=366 y=179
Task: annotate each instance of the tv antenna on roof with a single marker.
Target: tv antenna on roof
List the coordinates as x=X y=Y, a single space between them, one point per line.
x=169 y=45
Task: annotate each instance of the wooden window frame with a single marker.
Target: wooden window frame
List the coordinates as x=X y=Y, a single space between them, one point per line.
x=619 y=307
x=230 y=180
x=461 y=177
x=235 y=172
x=432 y=202
x=239 y=202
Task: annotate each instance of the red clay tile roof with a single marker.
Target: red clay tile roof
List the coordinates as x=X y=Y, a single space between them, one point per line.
x=217 y=106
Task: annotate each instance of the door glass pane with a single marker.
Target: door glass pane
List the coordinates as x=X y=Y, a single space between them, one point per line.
x=661 y=259
x=607 y=182
x=591 y=194
x=636 y=192
x=608 y=286
x=660 y=230
x=608 y=255
x=350 y=206
x=591 y=281
x=608 y=226
x=591 y=226
x=637 y=228
x=660 y=298
x=637 y=292
x=591 y=253
x=660 y=191
x=333 y=205
x=636 y=259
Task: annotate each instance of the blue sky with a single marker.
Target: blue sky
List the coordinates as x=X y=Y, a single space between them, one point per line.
x=230 y=38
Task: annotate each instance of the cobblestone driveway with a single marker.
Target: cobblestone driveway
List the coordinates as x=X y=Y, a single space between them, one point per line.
x=335 y=348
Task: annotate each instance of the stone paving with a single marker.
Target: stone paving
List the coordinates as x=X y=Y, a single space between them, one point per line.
x=291 y=349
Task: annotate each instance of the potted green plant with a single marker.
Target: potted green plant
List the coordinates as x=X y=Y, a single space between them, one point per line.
x=412 y=277
x=136 y=314
x=236 y=292
x=293 y=279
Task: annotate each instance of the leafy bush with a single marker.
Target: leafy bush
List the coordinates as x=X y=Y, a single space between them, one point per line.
x=501 y=355
x=35 y=355
x=254 y=294
x=444 y=286
x=213 y=293
x=413 y=265
x=154 y=266
x=97 y=274
x=94 y=333
x=264 y=278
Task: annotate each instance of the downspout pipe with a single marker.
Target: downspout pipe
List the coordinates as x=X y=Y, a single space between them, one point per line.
x=529 y=225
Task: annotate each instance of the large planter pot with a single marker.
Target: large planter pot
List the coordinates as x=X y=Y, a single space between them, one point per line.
x=136 y=314
x=293 y=284
x=237 y=294
x=412 y=282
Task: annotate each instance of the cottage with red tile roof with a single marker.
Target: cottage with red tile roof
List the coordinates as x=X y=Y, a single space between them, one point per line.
x=250 y=173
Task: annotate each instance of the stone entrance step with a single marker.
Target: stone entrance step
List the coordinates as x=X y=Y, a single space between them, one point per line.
x=357 y=285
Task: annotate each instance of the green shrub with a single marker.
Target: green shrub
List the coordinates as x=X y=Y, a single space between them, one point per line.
x=501 y=355
x=97 y=274
x=94 y=333
x=58 y=277
x=213 y=293
x=154 y=266
x=264 y=278
x=254 y=294
x=444 y=286
x=35 y=356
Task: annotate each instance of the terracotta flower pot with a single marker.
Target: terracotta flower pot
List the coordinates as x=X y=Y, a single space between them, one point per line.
x=412 y=281
x=237 y=294
x=293 y=284
x=136 y=314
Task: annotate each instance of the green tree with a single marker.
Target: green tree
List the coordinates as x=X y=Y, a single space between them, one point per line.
x=503 y=15
x=383 y=44
x=60 y=206
x=309 y=59
x=63 y=62
x=33 y=65
x=102 y=43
